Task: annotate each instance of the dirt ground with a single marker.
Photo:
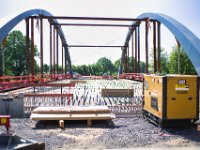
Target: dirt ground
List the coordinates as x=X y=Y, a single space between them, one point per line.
x=116 y=134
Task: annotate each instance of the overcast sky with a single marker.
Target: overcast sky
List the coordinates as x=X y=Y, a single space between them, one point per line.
x=185 y=11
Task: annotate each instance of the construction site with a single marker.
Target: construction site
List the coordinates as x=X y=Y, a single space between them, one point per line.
x=137 y=107
x=89 y=113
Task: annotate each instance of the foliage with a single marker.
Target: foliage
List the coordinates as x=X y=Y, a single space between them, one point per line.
x=163 y=61
x=46 y=68
x=105 y=65
x=15 y=54
x=186 y=66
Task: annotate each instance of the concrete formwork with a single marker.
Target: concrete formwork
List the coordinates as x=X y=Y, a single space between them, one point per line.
x=13 y=106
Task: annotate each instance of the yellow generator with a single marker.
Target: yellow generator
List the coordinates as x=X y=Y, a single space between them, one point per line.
x=171 y=100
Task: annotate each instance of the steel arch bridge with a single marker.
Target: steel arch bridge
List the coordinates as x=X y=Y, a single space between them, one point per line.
x=4 y=30
x=189 y=42
x=184 y=37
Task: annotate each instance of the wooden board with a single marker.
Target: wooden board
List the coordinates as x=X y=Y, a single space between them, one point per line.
x=117 y=92
x=62 y=124
x=72 y=109
x=72 y=116
x=72 y=113
x=78 y=81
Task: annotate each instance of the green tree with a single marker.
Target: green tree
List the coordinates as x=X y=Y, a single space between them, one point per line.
x=81 y=69
x=15 y=54
x=163 y=61
x=105 y=65
x=46 y=68
x=186 y=66
x=142 y=65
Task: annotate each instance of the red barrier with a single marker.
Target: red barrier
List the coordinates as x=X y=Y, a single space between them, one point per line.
x=10 y=82
x=132 y=76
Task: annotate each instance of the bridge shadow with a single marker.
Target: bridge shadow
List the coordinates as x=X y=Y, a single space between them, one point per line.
x=52 y=124
x=187 y=132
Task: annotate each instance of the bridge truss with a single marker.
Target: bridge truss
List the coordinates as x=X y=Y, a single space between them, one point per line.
x=130 y=48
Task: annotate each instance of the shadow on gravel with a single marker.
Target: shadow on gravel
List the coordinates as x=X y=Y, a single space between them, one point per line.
x=52 y=124
x=189 y=132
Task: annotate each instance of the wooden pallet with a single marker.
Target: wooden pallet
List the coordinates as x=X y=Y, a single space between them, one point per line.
x=60 y=114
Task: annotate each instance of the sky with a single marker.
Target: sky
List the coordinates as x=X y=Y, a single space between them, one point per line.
x=185 y=11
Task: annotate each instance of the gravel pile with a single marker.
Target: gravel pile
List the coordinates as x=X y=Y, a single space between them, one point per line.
x=119 y=133
x=132 y=132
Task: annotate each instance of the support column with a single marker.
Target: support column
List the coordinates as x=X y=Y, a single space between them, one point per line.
x=57 y=54
x=147 y=44
x=138 y=49
x=62 y=60
x=179 y=64
x=154 y=47
x=50 y=27
x=121 y=67
x=41 y=46
x=32 y=47
x=27 y=48
x=54 y=64
x=2 y=58
x=125 y=59
x=132 y=41
x=128 y=70
x=159 y=47
x=65 y=62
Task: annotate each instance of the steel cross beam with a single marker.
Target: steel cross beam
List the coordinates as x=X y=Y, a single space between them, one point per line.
x=91 y=18
x=94 y=25
x=108 y=46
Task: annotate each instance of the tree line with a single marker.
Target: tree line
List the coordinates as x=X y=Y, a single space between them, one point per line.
x=13 y=60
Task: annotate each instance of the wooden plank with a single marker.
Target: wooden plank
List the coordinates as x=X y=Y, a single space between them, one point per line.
x=72 y=109
x=62 y=124
x=198 y=128
x=71 y=116
x=78 y=81
x=117 y=92
x=89 y=123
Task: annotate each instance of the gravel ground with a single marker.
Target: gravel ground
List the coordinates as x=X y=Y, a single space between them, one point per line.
x=118 y=133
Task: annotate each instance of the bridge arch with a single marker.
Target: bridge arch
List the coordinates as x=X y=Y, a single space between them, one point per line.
x=189 y=42
x=4 y=30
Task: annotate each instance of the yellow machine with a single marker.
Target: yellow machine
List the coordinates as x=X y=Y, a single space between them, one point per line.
x=172 y=99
